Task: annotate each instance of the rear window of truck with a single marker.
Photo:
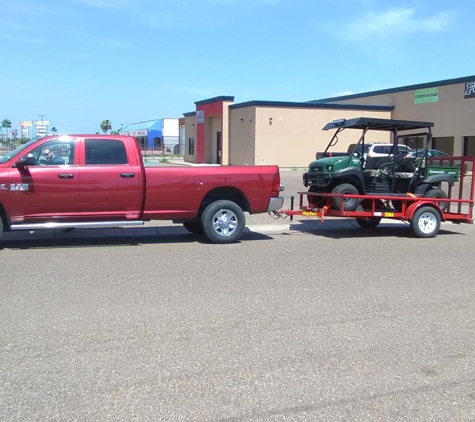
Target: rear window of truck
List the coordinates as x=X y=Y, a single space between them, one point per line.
x=105 y=151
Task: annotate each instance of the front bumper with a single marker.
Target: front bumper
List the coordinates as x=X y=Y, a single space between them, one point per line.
x=319 y=179
x=275 y=203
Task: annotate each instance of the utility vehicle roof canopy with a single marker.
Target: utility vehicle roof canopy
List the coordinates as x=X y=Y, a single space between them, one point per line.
x=377 y=124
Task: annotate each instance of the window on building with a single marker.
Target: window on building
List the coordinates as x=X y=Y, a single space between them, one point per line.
x=191 y=146
x=105 y=151
x=158 y=142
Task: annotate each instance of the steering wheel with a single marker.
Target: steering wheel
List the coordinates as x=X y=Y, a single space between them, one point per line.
x=387 y=169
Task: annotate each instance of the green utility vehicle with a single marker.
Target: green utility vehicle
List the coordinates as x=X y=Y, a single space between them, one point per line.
x=394 y=174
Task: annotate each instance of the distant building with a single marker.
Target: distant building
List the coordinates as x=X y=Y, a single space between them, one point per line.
x=155 y=134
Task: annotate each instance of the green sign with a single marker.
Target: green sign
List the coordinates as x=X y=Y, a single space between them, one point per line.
x=428 y=95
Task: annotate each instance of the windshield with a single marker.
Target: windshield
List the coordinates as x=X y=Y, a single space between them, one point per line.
x=16 y=151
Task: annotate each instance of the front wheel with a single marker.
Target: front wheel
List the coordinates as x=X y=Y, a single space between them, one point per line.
x=223 y=221
x=349 y=204
x=425 y=222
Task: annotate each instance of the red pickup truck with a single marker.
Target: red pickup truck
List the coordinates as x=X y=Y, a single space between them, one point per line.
x=84 y=181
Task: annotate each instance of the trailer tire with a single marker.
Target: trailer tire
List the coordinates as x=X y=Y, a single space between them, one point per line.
x=368 y=222
x=425 y=222
x=193 y=227
x=349 y=204
x=223 y=221
x=438 y=193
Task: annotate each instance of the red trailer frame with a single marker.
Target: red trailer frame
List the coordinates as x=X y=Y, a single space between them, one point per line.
x=373 y=206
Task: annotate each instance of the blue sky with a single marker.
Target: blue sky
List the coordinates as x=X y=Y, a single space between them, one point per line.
x=79 y=62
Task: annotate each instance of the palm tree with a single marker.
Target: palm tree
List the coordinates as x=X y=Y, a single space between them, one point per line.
x=106 y=126
x=54 y=130
x=7 y=124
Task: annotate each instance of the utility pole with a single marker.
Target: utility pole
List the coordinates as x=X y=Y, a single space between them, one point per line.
x=42 y=115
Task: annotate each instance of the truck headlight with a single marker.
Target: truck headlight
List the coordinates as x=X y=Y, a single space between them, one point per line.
x=330 y=168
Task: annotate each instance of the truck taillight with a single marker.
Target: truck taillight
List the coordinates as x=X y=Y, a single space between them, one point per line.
x=276 y=183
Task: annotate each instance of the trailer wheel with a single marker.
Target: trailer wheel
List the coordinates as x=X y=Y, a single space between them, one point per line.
x=425 y=222
x=223 y=221
x=193 y=227
x=368 y=222
x=349 y=204
x=438 y=193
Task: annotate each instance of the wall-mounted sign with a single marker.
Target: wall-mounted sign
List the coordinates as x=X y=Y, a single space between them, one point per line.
x=428 y=95
x=200 y=116
x=469 y=90
x=41 y=122
x=139 y=132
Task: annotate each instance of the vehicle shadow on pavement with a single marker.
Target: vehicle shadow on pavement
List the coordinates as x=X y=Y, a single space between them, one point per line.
x=347 y=228
x=109 y=237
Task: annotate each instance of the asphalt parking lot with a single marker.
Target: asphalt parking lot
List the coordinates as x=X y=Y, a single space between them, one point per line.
x=323 y=321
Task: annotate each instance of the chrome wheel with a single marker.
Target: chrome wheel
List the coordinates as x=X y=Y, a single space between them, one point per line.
x=225 y=222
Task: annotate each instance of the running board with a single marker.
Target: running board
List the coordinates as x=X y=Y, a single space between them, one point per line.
x=76 y=225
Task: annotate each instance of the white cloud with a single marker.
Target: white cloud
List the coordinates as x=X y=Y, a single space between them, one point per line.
x=393 y=23
x=105 y=4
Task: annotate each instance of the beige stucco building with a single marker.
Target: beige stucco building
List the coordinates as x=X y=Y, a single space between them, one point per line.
x=289 y=134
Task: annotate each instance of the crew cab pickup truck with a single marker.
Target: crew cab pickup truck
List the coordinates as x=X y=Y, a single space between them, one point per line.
x=85 y=181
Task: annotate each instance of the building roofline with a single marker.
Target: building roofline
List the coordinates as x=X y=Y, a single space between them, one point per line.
x=287 y=104
x=399 y=89
x=190 y=113
x=215 y=99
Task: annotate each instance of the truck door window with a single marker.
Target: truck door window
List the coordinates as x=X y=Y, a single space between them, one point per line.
x=54 y=153
x=105 y=151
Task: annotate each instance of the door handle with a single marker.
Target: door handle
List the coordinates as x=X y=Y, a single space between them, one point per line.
x=65 y=175
x=127 y=174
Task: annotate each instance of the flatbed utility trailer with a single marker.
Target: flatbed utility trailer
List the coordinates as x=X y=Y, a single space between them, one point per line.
x=424 y=214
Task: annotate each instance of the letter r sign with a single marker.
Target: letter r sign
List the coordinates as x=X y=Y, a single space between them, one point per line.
x=469 y=90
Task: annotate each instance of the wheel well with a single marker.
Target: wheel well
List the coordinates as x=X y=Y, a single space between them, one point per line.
x=352 y=181
x=229 y=193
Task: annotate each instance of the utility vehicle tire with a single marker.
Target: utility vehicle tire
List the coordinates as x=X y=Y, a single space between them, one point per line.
x=193 y=227
x=315 y=201
x=438 y=193
x=425 y=222
x=223 y=221
x=369 y=222
x=349 y=203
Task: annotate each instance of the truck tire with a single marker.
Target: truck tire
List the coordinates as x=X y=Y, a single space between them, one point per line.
x=349 y=203
x=193 y=227
x=425 y=222
x=223 y=221
x=1 y=227
x=368 y=222
x=438 y=193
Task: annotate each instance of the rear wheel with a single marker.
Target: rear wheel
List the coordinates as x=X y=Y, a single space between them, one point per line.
x=223 y=221
x=349 y=204
x=425 y=222
x=438 y=193
x=193 y=227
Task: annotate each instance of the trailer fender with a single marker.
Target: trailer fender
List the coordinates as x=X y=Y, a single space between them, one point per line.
x=411 y=209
